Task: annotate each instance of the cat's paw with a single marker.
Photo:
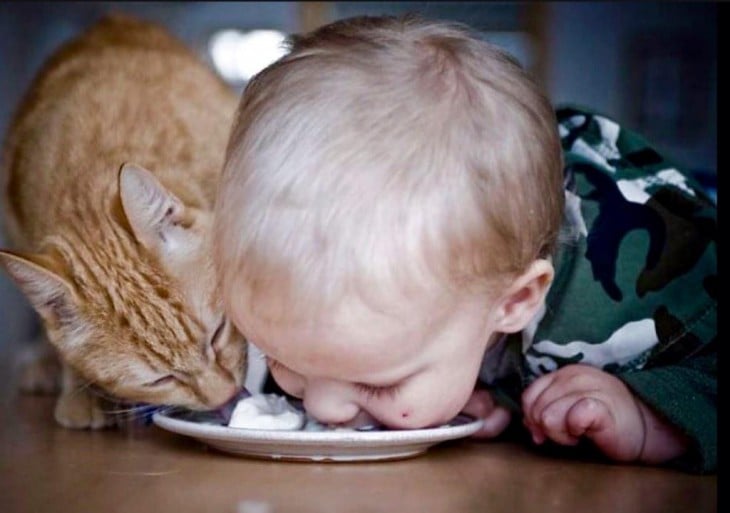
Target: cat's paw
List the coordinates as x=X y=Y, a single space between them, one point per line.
x=39 y=371
x=80 y=410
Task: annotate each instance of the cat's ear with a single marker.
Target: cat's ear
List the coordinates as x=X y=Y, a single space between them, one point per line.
x=156 y=215
x=49 y=293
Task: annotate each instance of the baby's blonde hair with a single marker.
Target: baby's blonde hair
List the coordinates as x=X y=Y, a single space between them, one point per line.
x=384 y=155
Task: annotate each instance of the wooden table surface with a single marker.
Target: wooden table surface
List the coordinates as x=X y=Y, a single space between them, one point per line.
x=45 y=468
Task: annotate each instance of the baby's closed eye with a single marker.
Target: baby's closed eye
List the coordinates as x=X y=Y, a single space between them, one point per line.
x=378 y=392
x=369 y=391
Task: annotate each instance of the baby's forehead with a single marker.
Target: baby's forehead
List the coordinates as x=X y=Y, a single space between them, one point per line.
x=365 y=337
x=349 y=342
x=359 y=334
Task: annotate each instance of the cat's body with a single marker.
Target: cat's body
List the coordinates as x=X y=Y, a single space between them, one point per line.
x=110 y=169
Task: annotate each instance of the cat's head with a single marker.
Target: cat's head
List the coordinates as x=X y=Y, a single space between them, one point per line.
x=129 y=301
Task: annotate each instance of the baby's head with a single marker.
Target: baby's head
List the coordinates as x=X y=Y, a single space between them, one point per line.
x=391 y=196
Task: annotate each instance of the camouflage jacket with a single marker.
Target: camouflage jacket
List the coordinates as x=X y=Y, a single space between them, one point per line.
x=635 y=289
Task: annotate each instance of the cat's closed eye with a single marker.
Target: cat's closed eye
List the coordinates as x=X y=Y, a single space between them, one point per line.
x=164 y=380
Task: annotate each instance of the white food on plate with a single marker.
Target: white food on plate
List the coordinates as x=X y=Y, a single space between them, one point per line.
x=272 y=411
x=266 y=411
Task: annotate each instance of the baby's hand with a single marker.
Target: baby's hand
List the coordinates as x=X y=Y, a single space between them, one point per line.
x=481 y=405
x=582 y=401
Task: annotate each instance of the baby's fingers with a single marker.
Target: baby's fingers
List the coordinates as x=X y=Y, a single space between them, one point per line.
x=593 y=419
x=535 y=390
x=553 y=420
x=496 y=422
x=481 y=405
x=588 y=417
x=541 y=392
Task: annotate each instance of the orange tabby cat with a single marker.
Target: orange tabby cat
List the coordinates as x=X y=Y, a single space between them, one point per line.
x=112 y=255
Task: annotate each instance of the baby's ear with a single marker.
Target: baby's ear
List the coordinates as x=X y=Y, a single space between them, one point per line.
x=156 y=215
x=49 y=293
x=524 y=297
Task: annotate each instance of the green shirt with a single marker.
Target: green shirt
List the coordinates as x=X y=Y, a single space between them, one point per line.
x=635 y=289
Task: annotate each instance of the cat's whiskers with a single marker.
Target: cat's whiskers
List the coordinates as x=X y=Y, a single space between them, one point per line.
x=100 y=392
x=121 y=410
x=85 y=386
x=131 y=411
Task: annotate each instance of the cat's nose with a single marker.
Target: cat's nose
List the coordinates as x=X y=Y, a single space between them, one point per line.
x=216 y=390
x=222 y=396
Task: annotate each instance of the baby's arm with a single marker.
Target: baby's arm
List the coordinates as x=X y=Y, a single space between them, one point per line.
x=582 y=401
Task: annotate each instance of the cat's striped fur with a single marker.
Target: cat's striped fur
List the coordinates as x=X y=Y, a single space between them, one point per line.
x=110 y=168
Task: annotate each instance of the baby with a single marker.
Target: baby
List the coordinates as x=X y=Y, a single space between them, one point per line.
x=387 y=233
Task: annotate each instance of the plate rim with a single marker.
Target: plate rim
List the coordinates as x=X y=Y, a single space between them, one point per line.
x=202 y=431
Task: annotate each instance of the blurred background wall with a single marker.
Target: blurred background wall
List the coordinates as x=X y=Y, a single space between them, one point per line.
x=652 y=66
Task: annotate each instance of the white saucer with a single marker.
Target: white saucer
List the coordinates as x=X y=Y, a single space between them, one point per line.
x=342 y=446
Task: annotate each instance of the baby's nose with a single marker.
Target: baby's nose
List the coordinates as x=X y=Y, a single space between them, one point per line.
x=330 y=402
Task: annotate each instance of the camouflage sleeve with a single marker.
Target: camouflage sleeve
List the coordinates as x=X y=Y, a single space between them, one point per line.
x=686 y=394
x=635 y=291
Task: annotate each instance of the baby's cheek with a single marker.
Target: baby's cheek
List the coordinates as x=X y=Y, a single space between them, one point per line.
x=401 y=415
x=420 y=403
